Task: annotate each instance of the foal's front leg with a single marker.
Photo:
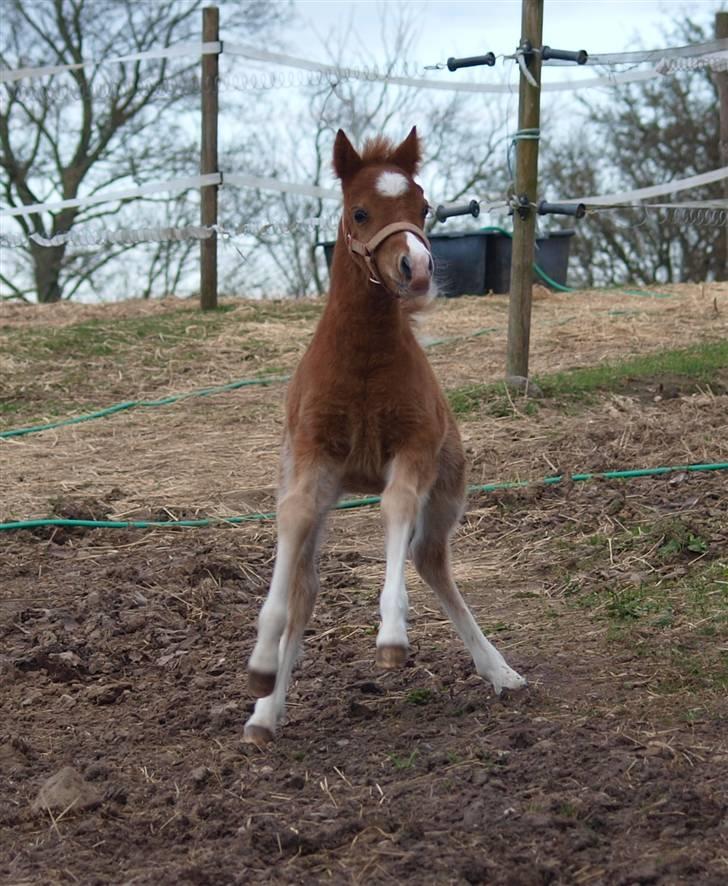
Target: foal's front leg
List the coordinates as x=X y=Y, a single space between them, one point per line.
x=269 y=710
x=400 y=506
x=300 y=512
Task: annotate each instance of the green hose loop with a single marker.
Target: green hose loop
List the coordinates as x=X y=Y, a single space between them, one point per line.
x=494 y=229
x=349 y=504
x=133 y=404
x=203 y=392
x=264 y=380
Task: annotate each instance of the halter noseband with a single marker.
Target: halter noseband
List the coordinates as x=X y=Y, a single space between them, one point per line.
x=367 y=250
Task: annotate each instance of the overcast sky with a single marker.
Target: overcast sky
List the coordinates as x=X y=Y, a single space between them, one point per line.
x=470 y=27
x=450 y=28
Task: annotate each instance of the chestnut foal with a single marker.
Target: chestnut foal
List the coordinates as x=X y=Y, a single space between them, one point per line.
x=366 y=414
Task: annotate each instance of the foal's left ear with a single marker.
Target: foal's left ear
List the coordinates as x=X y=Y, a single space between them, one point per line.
x=346 y=160
x=409 y=154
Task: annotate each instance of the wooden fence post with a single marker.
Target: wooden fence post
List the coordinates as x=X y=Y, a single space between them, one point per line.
x=529 y=113
x=208 y=159
x=720 y=77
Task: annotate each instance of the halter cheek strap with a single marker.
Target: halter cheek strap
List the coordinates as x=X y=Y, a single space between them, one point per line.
x=367 y=250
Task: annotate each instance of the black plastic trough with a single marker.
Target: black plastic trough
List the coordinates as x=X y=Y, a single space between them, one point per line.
x=479 y=262
x=552 y=256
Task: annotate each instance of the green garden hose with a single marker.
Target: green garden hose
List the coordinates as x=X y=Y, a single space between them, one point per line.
x=203 y=392
x=133 y=404
x=495 y=229
x=348 y=504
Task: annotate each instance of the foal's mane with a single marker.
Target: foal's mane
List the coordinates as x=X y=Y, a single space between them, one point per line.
x=377 y=150
x=407 y=156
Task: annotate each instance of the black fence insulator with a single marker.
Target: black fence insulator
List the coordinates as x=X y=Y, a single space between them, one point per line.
x=522 y=206
x=442 y=213
x=472 y=61
x=578 y=210
x=580 y=56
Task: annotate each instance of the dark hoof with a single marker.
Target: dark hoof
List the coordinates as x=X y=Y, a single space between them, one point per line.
x=260 y=684
x=257 y=735
x=390 y=657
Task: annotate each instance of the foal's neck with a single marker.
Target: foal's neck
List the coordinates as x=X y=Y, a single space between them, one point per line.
x=359 y=308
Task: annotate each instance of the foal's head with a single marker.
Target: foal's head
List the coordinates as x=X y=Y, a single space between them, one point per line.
x=379 y=190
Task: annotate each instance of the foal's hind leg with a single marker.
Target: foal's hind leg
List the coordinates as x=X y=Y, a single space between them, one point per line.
x=431 y=554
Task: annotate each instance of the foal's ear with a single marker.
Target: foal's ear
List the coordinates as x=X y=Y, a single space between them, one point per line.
x=346 y=160
x=409 y=154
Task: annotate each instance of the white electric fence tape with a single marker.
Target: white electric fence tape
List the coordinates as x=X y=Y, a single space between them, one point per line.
x=336 y=72
x=93 y=235
x=340 y=73
x=9 y=75
x=275 y=184
x=696 y=212
x=674 y=187
x=692 y=50
x=173 y=185
x=615 y=200
x=661 y=57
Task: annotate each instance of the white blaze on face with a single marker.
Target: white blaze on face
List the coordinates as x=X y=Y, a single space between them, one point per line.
x=392 y=184
x=417 y=249
x=420 y=259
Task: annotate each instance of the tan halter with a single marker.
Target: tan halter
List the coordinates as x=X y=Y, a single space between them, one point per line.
x=367 y=250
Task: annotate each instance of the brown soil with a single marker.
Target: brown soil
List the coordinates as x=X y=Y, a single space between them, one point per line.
x=122 y=655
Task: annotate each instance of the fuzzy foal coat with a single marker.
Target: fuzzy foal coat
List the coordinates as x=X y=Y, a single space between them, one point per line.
x=366 y=414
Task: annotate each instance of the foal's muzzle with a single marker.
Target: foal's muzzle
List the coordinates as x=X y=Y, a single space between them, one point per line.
x=415 y=269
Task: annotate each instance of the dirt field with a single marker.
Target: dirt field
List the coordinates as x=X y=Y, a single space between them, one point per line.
x=122 y=652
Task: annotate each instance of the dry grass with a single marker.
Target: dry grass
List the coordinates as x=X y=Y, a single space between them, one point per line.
x=611 y=597
x=218 y=455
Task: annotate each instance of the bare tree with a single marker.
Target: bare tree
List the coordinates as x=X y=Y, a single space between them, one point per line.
x=665 y=129
x=461 y=158
x=95 y=125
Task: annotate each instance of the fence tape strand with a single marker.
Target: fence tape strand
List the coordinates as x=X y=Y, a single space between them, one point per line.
x=274 y=184
x=663 y=59
x=615 y=200
x=90 y=236
x=673 y=187
x=698 y=213
x=338 y=72
x=691 y=50
x=171 y=185
x=9 y=75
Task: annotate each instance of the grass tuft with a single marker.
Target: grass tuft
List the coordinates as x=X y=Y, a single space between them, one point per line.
x=698 y=364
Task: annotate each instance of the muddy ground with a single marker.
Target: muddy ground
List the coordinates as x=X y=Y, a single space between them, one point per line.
x=122 y=652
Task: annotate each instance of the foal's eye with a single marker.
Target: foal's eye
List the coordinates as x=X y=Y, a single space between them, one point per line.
x=426 y=210
x=360 y=216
